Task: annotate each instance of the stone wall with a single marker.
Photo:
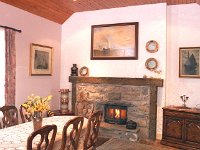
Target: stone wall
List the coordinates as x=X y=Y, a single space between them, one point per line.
x=137 y=98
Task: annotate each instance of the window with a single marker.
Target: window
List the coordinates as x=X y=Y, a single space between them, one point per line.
x=2 y=67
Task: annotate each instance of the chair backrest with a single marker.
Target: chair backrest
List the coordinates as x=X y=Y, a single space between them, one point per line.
x=84 y=109
x=92 y=130
x=70 y=136
x=26 y=117
x=46 y=139
x=10 y=116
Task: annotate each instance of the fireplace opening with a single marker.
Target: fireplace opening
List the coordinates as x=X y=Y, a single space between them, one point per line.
x=115 y=114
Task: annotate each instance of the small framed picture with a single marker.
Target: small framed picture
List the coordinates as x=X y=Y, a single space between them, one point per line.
x=189 y=62
x=40 y=59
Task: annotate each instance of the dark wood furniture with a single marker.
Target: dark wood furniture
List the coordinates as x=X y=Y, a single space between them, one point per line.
x=46 y=139
x=58 y=113
x=92 y=131
x=70 y=137
x=10 y=116
x=84 y=109
x=26 y=117
x=181 y=127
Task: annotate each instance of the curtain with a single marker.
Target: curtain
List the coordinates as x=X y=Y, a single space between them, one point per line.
x=10 y=71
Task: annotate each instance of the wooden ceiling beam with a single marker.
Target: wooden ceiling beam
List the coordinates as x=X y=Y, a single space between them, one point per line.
x=60 y=10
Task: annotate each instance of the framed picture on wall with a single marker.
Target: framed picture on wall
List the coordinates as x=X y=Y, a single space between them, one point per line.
x=40 y=59
x=114 y=41
x=189 y=59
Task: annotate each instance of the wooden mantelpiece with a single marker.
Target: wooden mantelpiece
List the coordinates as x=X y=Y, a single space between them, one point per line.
x=149 y=84
x=122 y=81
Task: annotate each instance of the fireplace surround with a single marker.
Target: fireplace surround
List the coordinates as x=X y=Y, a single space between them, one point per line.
x=138 y=94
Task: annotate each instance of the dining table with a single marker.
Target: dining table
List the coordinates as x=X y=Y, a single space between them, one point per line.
x=15 y=137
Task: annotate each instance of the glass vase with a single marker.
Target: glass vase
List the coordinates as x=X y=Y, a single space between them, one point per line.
x=64 y=100
x=37 y=120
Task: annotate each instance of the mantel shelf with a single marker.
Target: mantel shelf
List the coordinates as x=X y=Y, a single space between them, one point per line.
x=115 y=80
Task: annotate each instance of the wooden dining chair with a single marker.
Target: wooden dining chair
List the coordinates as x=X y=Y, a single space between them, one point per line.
x=92 y=131
x=10 y=116
x=84 y=109
x=26 y=117
x=70 y=136
x=46 y=141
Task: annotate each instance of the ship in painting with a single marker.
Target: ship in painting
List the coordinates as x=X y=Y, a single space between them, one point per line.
x=190 y=65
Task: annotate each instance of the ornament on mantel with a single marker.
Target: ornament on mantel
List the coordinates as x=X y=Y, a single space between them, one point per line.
x=74 y=70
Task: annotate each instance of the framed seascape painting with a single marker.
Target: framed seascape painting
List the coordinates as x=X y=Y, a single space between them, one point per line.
x=114 y=41
x=40 y=60
x=189 y=58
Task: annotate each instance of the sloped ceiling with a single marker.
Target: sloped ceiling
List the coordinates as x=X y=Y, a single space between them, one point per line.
x=60 y=10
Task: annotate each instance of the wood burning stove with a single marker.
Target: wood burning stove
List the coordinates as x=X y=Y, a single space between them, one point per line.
x=115 y=114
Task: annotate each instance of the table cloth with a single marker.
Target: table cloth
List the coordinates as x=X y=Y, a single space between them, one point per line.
x=15 y=137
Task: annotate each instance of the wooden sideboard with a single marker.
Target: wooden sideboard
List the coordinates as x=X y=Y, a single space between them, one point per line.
x=181 y=127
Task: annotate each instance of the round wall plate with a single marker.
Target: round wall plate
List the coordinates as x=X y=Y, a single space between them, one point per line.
x=151 y=64
x=152 y=46
x=84 y=71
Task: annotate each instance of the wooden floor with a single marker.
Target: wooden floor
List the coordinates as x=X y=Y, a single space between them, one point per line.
x=158 y=144
x=120 y=144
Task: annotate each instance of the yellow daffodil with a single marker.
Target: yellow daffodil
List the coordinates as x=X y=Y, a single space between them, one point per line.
x=37 y=103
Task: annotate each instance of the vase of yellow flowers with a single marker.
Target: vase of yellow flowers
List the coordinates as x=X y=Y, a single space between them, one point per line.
x=35 y=105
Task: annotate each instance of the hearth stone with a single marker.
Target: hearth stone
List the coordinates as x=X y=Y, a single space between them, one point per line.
x=118 y=131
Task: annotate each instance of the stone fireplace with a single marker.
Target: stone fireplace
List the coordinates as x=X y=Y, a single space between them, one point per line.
x=133 y=98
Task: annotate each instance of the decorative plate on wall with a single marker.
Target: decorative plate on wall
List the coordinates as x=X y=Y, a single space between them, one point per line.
x=151 y=64
x=84 y=71
x=152 y=46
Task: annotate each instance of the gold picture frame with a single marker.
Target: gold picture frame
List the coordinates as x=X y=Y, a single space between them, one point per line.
x=40 y=60
x=114 y=41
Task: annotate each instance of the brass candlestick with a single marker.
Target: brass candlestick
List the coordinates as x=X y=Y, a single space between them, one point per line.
x=184 y=98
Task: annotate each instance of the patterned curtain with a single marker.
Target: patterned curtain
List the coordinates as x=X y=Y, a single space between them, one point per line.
x=10 y=67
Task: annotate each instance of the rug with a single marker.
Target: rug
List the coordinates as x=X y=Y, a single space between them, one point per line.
x=120 y=144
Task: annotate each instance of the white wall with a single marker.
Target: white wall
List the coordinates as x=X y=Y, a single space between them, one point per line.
x=76 y=42
x=183 y=30
x=34 y=30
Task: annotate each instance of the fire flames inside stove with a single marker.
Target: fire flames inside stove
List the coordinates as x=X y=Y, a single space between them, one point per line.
x=115 y=114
